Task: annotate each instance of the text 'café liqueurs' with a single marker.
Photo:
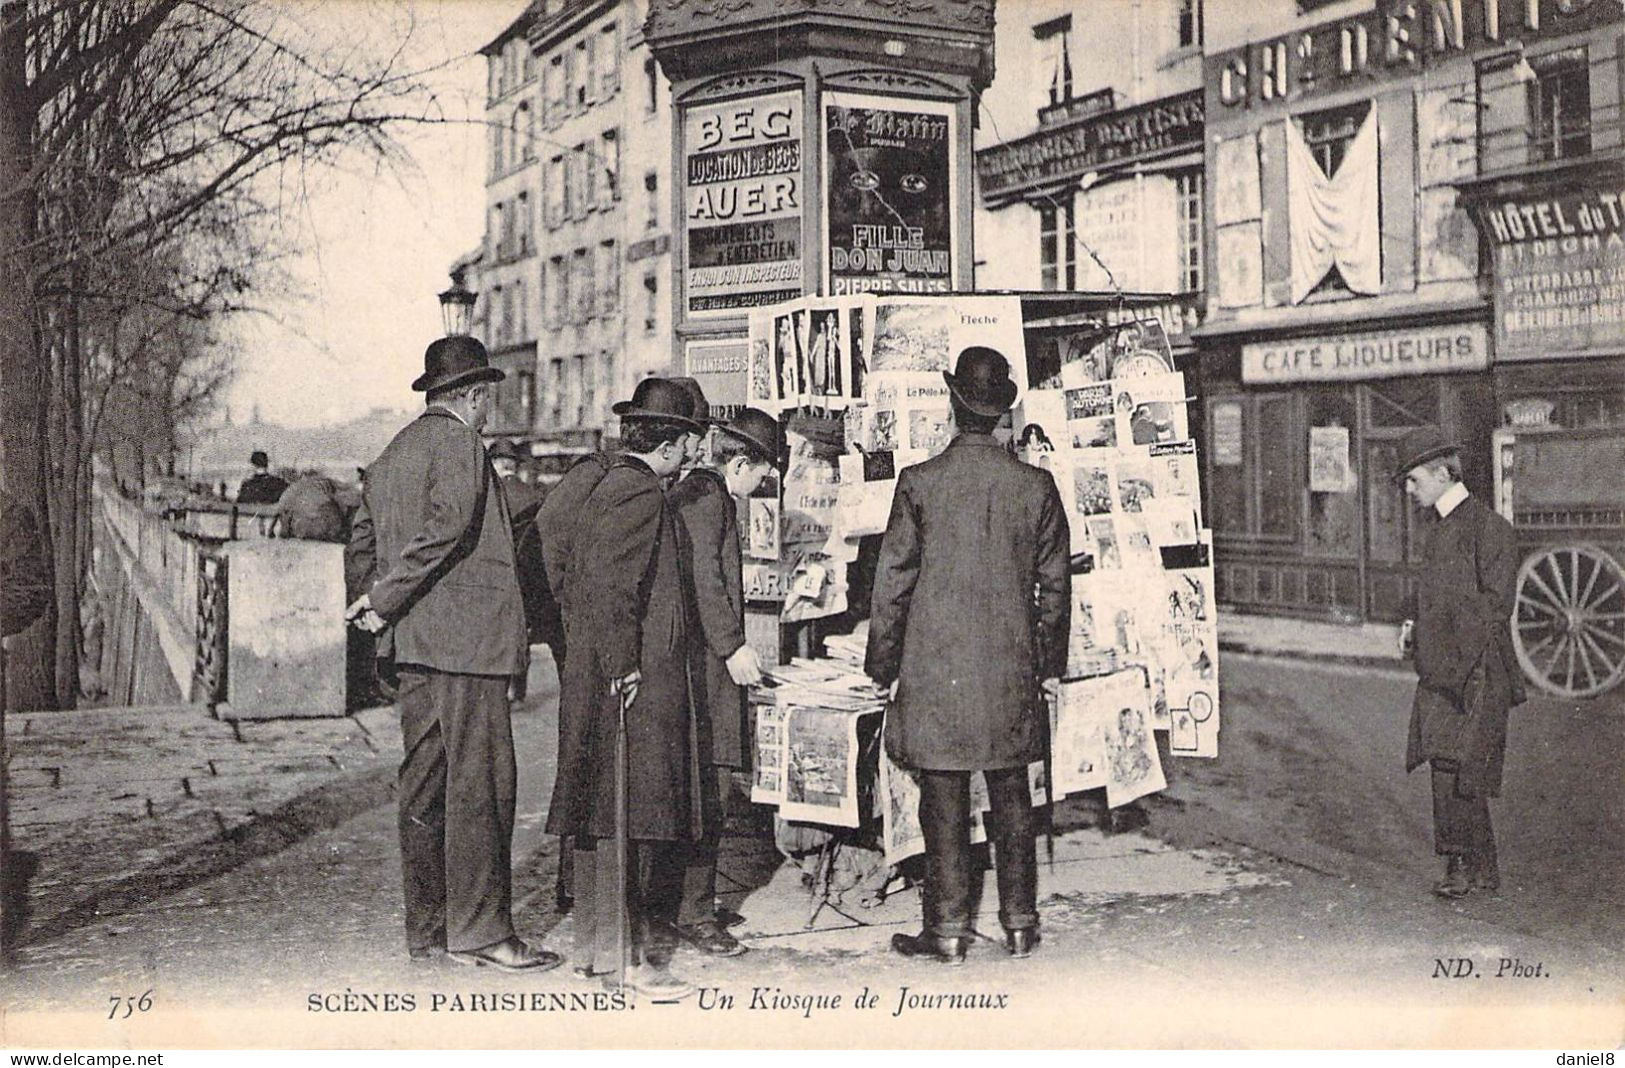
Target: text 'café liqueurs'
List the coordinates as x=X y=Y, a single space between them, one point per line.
x=1447 y=351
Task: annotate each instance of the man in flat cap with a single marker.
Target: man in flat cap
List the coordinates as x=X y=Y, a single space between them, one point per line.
x=953 y=630
x=1467 y=673
x=432 y=548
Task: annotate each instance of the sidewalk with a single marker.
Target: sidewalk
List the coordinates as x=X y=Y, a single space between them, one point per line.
x=249 y=875
x=1359 y=643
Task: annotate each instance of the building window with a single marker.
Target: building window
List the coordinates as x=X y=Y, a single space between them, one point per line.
x=585 y=63
x=575 y=94
x=581 y=182
x=493 y=235
x=1055 y=47
x=609 y=278
x=611 y=386
x=609 y=61
x=1560 y=106
x=1190 y=23
x=557 y=193
x=1255 y=479
x=525 y=131
x=496 y=150
x=553 y=91
x=651 y=185
x=555 y=390
x=1188 y=193
x=610 y=152
x=527 y=398
x=581 y=277
x=1328 y=133
x=1058 y=245
x=526 y=223
x=651 y=301
x=651 y=80
x=586 y=395
x=493 y=70
x=558 y=279
x=527 y=65
x=521 y=311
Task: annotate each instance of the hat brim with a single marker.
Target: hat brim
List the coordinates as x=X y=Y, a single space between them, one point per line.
x=995 y=405
x=623 y=410
x=426 y=383
x=779 y=459
x=1447 y=449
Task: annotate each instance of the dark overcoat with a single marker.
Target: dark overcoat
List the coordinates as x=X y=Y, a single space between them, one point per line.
x=1467 y=673
x=626 y=611
x=559 y=517
x=972 y=532
x=708 y=536
x=433 y=545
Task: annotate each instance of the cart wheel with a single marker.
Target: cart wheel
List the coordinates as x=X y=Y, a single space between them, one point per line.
x=1569 y=628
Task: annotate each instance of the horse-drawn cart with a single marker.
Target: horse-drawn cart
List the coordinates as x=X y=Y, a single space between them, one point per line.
x=1563 y=490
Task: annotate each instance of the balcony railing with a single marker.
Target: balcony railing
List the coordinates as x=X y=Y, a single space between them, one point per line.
x=1516 y=143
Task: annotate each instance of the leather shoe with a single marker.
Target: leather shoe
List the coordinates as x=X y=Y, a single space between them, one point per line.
x=433 y=949
x=655 y=983
x=1022 y=941
x=511 y=955
x=728 y=917
x=1454 y=884
x=710 y=938
x=946 y=950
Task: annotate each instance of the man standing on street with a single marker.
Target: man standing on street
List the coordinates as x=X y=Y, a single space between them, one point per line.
x=433 y=549
x=261 y=487
x=955 y=632
x=742 y=452
x=628 y=654
x=1467 y=673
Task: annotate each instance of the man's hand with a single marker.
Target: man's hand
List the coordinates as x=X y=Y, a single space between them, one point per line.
x=361 y=614
x=744 y=666
x=891 y=694
x=627 y=688
x=1052 y=687
x=1405 y=630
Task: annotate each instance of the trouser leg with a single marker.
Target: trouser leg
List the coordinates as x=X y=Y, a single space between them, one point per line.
x=1015 y=854
x=421 y=814
x=699 y=893
x=1461 y=825
x=945 y=822
x=480 y=795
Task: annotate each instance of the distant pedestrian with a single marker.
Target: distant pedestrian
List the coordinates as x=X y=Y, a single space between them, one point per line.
x=955 y=632
x=261 y=487
x=433 y=548
x=1467 y=673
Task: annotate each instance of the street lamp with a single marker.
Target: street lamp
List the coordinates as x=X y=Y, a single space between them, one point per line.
x=457 y=307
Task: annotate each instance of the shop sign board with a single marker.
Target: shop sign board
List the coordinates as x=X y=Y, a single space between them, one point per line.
x=1559 y=273
x=889 y=195
x=720 y=366
x=1063 y=153
x=1423 y=350
x=742 y=204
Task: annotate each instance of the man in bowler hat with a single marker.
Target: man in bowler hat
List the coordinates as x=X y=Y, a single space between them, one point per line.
x=1467 y=673
x=433 y=550
x=954 y=631
x=627 y=642
x=743 y=451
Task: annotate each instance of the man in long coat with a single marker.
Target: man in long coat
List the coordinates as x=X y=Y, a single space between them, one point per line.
x=722 y=665
x=953 y=628
x=433 y=551
x=1467 y=673
x=627 y=642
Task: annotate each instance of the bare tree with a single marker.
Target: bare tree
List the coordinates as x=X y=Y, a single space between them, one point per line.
x=146 y=149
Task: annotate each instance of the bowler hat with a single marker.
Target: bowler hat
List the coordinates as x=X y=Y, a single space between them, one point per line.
x=761 y=432
x=257 y=458
x=981 y=381
x=454 y=361
x=702 y=407
x=661 y=400
x=1418 y=447
x=503 y=449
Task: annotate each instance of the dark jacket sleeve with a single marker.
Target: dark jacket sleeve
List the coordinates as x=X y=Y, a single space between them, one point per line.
x=705 y=520
x=558 y=515
x=615 y=549
x=456 y=476
x=26 y=578
x=360 y=553
x=896 y=572
x=1054 y=582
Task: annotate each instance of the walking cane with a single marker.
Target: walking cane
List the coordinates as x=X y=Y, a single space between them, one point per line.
x=622 y=916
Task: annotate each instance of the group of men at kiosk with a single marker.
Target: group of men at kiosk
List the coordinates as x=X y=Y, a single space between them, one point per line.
x=969 y=623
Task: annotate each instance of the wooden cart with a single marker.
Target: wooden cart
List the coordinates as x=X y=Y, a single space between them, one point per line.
x=1563 y=491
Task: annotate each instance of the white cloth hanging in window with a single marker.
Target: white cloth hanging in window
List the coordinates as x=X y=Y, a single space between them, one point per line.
x=1334 y=221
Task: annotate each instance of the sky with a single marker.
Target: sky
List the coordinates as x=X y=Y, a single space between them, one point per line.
x=374 y=247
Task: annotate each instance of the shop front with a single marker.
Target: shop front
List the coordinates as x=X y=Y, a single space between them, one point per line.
x=1300 y=436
